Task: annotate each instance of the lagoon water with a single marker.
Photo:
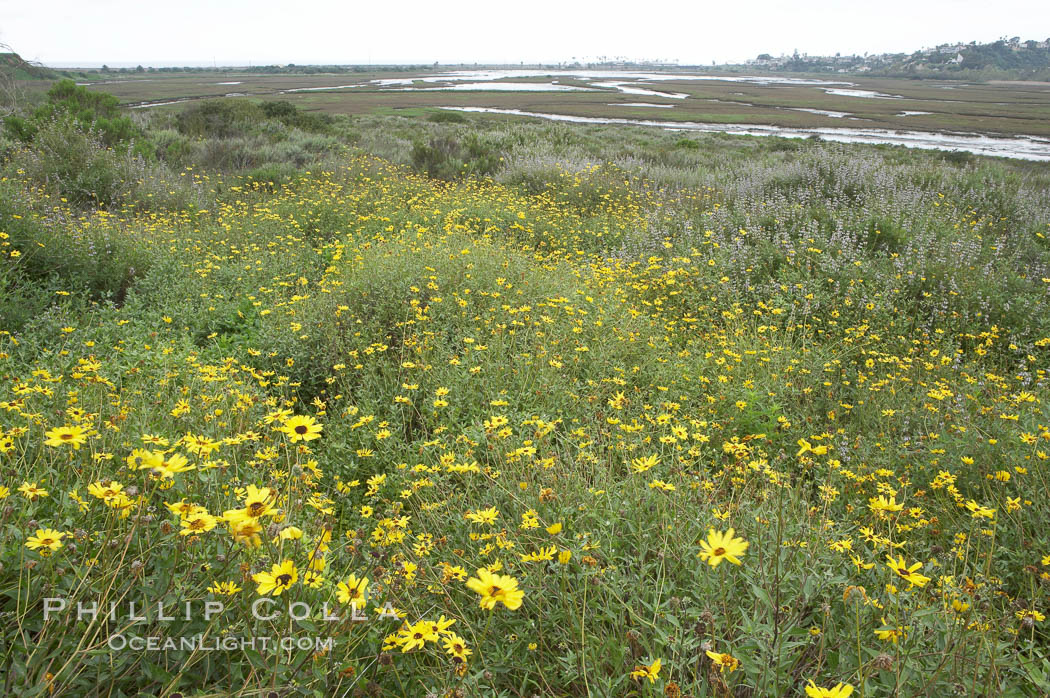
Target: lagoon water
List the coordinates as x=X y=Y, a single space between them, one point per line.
x=1019 y=147
x=627 y=89
x=642 y=83
x=501 y=87
x=822 y=112
x=647 y=76
x=867 y=94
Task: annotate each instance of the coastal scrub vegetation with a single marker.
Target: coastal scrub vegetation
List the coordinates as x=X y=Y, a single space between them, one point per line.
x=515 y=409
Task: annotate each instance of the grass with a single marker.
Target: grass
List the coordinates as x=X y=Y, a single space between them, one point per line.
x=1006 y=109
x=565 y=381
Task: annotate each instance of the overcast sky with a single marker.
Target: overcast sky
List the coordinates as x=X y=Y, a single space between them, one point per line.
x=242 y=32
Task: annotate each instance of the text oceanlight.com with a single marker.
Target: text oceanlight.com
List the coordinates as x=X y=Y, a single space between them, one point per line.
x=230 y=643
x=262 y=609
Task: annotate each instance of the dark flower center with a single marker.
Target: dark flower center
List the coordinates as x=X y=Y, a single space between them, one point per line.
x=720 y=551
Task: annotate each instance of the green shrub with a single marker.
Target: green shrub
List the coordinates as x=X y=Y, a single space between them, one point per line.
x=447 y=157
x=172 y=147
x=446 y=117
x=20 y=128
x=75 y=164
x=230 y=154
x=271 y=177
x=218 y=118
x=77 y=167
x=79 y=260
x=92 y=111
x=95 y=112
x=958 y=157
x=293 y=117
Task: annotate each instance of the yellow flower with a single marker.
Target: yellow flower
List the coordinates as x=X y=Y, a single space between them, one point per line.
x=841 y=690
x=978 y=511
x=1029 y=613
x=200 y=446
x=302 y=428
x=259 y=502
x=457 y=647
x=46 y=541
x=640 y=465
x=105 y=492
x=442 y=625
x=722 y=546
x=198 y=522
x=540 y=555
x=417 y=636
x=31 y=492
x=909 y=574
x=176 y=463
x=291 y=533
x=140 y=458
x=724 y=661
x=66 y=436
x=183 y=508
x=280 y=578
x=485 y=516
x=224 y=588
x=891 y=633
x=651 y=672
x=155 y=440
x=882 y=504
x=806 y=447
x=352 y=590
x=245 y=531
x=496 y=588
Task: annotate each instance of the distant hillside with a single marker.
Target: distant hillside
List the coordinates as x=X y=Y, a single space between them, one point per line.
x=1022 y=58
x=15 y=67
x=1008 y=59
